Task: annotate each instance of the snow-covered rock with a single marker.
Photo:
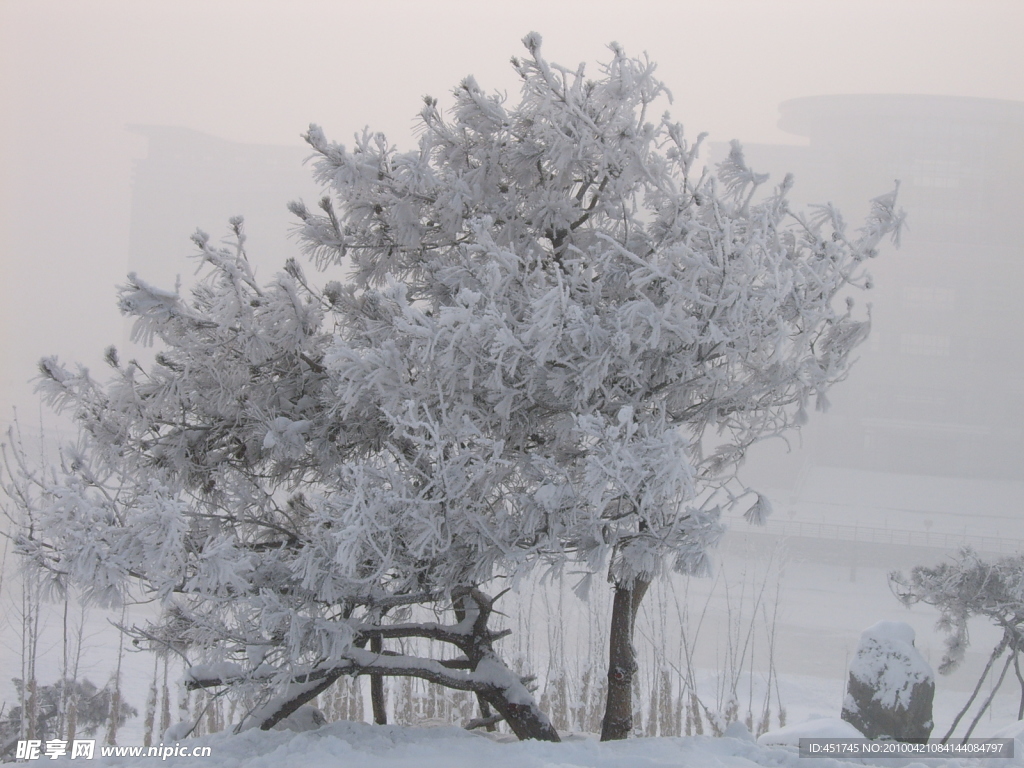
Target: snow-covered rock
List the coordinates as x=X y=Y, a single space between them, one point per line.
x=305 y=718
x=738 y=730
x=891 y=686
x=177 y=731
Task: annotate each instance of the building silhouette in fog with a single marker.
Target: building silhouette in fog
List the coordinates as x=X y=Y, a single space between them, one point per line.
x=940 y=388
x=190 y=180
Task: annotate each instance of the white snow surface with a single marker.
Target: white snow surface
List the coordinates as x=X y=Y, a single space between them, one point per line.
x=1013 y=731
x=224 y=670
x=819 y=728
x=889 y=632
x=888 y=661
x=392 y=746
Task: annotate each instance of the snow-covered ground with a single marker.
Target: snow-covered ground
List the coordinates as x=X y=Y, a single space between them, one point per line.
x=827 y=592
x=807 y=697
x=368 y=746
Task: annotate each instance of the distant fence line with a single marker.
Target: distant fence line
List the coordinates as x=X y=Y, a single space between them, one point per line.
x=900 y=537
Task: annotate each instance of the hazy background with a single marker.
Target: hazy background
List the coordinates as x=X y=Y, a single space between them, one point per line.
x=96 y=99
x=75 y=75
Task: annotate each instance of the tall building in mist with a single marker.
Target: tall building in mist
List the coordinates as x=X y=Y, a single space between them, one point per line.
x=940 y=388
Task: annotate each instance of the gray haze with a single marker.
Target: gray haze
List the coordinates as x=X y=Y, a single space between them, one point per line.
x=126 y=125
x=74 y=78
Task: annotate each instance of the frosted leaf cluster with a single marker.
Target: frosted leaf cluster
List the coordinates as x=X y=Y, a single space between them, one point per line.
x=965 y=587
x=544 y=335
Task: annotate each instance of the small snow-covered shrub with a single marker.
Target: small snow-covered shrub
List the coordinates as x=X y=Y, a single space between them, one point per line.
x=961 y=589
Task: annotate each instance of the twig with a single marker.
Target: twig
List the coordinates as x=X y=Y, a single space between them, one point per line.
x=988 y=701
x=995 y=655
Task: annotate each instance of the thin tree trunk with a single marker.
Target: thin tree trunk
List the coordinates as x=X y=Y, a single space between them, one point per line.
x=151 y=705
x=988 y=701
x=114 y=722
x=76 y=661
x=378 y=697
x=996 y=653
x=165 y=702
x=30 y=643
x=486 y=715
x=1020 y=679
x=622 y=666
x=65 y=691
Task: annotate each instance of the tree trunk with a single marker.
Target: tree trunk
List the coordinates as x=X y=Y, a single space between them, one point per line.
x=480 y=671
x=305 y=692
x=377 y=695
x=996 y=653
x=506 y=694
x=513 y=702
x=525 y=719
x=622 y=666
x=486 y=714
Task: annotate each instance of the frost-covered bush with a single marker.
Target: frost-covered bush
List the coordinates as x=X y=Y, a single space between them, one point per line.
x=968 y=586
x=963 y=588
x=551 y=335
x=90 y=710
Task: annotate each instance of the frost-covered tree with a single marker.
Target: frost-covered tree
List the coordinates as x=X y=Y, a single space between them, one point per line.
x=553 y=338
x=964 y=588
x=96 y=707
x=626 y=323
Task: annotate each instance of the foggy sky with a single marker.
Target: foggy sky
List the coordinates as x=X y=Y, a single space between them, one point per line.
x=73 y=75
